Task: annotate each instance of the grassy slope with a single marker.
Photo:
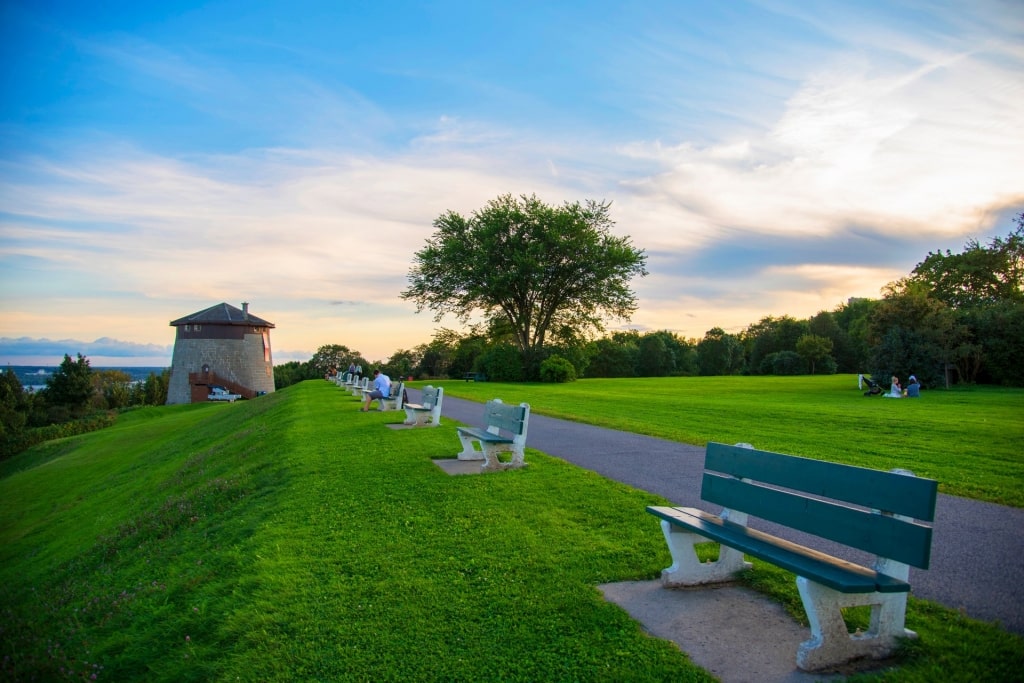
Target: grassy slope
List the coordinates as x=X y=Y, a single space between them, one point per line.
x=283 y=538
x=967 y=439
x=294 y=538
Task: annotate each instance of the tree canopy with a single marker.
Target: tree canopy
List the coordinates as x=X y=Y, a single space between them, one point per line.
x=70 y=385
x=336 y=356
x=536 y=267
x=979 y=275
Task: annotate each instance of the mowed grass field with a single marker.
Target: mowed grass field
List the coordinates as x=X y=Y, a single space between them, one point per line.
x=293 y=538
x=969 y=439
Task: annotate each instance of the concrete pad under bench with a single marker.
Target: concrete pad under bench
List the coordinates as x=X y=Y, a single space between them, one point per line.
x=732 y=631
x=454 y=466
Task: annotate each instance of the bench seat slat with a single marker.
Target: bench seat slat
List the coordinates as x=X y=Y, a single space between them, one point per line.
x=803 y=561
x=483 y=435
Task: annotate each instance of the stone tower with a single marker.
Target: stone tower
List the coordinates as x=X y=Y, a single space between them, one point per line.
x=223 y=346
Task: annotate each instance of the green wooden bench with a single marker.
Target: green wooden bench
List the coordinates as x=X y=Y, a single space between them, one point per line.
x=505 y=432
x=887 y=514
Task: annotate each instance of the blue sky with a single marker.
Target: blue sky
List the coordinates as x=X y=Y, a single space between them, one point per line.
x=772 y=157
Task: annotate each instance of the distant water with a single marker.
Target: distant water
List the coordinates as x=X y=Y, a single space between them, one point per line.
x=35 y=376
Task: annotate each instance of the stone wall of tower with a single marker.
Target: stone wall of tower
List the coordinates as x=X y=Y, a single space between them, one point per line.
x=246 y=361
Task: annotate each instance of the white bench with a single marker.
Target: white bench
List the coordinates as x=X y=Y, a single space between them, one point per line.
x=359 y=387
x=501 y=419
x=394 y=401
x=343 y=380
x=426 y=413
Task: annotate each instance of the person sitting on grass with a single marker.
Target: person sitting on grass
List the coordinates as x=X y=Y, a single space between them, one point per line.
x=913 y=389
x=895 y=391
x=381 y=389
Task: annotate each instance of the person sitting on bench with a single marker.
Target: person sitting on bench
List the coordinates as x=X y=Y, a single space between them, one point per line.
x=381 y=389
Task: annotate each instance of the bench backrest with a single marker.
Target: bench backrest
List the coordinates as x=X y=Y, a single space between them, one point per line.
x=429 y=396
x=507 y=417
x=880 y=512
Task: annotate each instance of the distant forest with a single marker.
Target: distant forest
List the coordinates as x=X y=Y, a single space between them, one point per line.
x=36 y=375
x=956 y=318
x=74 y=398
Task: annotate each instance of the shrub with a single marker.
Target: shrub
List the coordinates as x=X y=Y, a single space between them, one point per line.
x=12 y=444
x=501 y=363
x=557 y=369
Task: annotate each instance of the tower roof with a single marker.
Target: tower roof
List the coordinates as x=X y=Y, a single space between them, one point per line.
x=223 y=314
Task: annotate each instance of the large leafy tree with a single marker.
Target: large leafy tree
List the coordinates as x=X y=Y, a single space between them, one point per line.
x=982 y=289
x=614 y=356
x=154 y=389
x=720 y=353
x=14 y=405
x=1000 y=331
x=769 y=336
x=112 y=388
x=535 y=267
x=980 y=275
x=336 y=356
x=852 y=318
x=70 y=387
x=657 y=358
x=914 y=333
x=815 y=350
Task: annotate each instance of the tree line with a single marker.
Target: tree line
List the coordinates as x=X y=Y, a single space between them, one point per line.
x=76 y=399
x=545 y=281
x=545 y=278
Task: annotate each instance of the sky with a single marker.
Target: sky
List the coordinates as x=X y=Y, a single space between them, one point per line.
x=771 y=157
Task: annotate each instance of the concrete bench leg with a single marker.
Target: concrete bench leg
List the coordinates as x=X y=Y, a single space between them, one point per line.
x=415 y=418
x=493 y=462
x=831 y=644
x=469 y=452
x=687 y=569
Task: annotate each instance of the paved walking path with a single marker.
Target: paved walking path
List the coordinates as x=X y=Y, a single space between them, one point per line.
x=977 y=548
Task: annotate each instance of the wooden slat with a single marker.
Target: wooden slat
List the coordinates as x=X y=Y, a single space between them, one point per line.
x=911 y=496
x=836 y=573
x=483 y=435
x=505 y=416
x=858 y=528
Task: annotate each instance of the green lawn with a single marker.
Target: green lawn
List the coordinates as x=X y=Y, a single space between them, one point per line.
x=294 y=538
x=968 y=439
